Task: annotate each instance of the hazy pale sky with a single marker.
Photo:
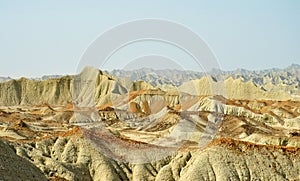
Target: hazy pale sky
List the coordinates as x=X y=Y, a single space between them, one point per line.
x=48 y=37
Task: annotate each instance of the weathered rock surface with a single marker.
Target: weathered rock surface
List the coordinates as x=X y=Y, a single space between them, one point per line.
x=72 y=158
x=44 y=136
x=272 y=84
x=285 y=80
x=14 y=167
x=93 y=126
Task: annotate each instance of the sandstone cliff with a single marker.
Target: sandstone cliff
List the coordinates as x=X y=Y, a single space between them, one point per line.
x=60 y=91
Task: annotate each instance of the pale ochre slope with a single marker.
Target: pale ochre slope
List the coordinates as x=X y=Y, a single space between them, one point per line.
x=88 y=126
x=99 y=88
x=231 y=89
x=14 y=167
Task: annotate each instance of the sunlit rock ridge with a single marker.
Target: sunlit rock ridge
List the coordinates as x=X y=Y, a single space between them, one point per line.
x=238 y=125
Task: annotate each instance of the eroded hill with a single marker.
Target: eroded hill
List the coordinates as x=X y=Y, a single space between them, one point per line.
x=94 y=126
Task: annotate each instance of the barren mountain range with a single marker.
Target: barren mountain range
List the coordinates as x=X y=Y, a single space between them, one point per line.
x=152 y=125
x=287 y=79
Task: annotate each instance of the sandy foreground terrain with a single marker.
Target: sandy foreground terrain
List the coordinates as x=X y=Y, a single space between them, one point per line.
x=110 y=132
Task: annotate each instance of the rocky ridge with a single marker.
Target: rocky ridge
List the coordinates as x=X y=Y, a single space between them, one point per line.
x=59 y=91
x=68 y=126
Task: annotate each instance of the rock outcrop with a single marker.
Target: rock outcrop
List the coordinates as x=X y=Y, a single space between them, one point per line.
x=72 y=158
x=14 y=167
x=93 y=126
x=279 y=85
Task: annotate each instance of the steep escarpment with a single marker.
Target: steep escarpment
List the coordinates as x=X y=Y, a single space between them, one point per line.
x=30 y=92
x=100 y=88
x=56 y=91
x=90 y=85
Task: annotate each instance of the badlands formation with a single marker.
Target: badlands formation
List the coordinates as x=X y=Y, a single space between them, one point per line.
x=152 y=125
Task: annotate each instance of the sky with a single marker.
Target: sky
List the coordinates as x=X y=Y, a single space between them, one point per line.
x=49 y=37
